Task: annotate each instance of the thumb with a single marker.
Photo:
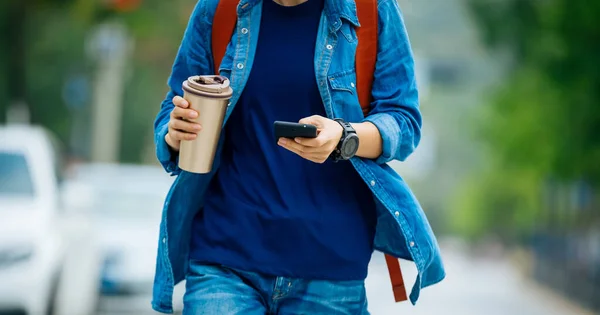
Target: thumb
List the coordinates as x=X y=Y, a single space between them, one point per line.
x=314 y=120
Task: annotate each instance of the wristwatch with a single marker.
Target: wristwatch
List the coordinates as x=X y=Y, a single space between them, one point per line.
x=348 y=145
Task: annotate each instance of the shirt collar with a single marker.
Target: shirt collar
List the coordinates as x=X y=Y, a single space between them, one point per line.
x=336 y=10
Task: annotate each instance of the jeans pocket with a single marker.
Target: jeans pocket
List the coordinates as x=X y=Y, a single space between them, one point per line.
x=318 y=297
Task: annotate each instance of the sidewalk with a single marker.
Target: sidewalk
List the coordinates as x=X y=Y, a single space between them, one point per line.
x=472 y=287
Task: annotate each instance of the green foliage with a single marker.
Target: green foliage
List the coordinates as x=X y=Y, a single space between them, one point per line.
x=4 y=27
x=555 y=83
x=157 y=29
x=50 y=60
x=494 y=203
x=54 y=36
x=544 y=122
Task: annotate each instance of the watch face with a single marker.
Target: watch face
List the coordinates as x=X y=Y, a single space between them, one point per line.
x=349 y=147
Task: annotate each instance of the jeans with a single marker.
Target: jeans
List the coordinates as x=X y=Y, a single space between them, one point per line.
x=216 y=289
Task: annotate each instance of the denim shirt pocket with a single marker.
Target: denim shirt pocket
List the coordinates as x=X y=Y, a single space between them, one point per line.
x=343 y=81
x=343 y=95
x=349 y=32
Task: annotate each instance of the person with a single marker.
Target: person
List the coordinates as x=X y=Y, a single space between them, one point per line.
x=289 y=226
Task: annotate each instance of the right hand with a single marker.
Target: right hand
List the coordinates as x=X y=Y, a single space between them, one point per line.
x=179 y=128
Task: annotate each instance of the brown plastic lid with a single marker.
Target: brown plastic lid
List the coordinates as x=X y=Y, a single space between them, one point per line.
x=215 y=86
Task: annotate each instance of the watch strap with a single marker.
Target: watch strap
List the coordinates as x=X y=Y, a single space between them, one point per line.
x=336 y=155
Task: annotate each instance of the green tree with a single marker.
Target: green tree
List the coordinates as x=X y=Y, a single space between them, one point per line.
x=556 y=69
x=544 y=122
x=43 y=44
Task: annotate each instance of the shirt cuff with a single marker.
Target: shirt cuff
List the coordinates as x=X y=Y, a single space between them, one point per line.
x=166 y=156
x=391 y=135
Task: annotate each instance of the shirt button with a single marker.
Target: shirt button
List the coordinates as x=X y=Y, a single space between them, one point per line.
x=164 y=240
x=228 y=104
x=412 y=244
x=397 y=214
x=244 y=30
x=329 y=47
x=352 y=84
x=240 y=66
x=372 y=183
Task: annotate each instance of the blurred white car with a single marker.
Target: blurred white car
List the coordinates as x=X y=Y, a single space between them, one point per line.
x=32 y=248
x=125 y=207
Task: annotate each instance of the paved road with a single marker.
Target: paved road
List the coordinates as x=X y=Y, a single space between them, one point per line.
x=472 y=287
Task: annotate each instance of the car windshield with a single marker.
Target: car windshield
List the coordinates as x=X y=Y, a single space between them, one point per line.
x=15 y=178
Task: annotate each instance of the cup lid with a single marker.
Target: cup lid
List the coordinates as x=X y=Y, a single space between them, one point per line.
x=214 y=84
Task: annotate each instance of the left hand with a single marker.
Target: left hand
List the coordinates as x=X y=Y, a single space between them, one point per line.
x=318 y=149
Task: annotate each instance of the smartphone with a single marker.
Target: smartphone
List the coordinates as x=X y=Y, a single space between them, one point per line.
x=292 y=130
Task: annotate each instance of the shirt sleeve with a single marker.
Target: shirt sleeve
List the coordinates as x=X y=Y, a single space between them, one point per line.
x=395 y=107
x=193 y=58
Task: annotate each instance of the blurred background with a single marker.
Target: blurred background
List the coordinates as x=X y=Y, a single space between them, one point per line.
x=508 y=170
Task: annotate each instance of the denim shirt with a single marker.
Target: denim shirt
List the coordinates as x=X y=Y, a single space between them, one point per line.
x=402 y=227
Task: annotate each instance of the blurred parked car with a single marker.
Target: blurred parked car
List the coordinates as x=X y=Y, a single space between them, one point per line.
x=32 y=247
x=125 y=206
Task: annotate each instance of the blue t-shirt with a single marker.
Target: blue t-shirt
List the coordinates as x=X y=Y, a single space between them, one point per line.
x=268 y=210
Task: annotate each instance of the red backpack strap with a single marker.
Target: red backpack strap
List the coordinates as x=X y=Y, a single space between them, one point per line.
x=396 y=276
x=366 y=58
x=222 y=29
x=366 y=52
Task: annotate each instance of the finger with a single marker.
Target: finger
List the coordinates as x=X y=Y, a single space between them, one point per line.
x=319 y=159
x=288 y=143
x=179 y=112
x=180 y=135
x=185 y=126
x=180 y=102
x=315 y=120
x=317 y=142
x=316 y=158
